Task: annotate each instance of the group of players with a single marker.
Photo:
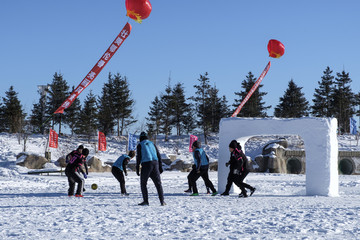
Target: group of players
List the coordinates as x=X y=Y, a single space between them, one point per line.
x=149 y=159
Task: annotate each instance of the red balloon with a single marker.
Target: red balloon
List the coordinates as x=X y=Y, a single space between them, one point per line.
x=138 y=9
x=276 y=48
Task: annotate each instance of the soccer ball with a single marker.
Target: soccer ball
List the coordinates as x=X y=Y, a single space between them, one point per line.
x=94 y=186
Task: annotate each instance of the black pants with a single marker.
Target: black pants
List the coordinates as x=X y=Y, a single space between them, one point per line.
x=239 y=181
x=75 y=177
x=232 y=178
x=194 y=176
x=192 y=172
x=119 y=175
x=151 y=170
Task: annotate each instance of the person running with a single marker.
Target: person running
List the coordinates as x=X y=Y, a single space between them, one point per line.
x=71 y=171
x=201 y=162
x=119 y=169
x=238 y=170
x=148 y=156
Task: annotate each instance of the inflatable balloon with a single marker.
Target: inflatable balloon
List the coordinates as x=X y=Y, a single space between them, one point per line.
x=276 y=48
x=138 y=9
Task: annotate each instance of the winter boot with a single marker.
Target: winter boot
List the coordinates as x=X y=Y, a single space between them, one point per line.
x=252 y=191
x=144 y=204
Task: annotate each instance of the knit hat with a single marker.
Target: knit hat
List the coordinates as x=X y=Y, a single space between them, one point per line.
x=234 y=144
x=196 y=144
x=85 y=152
x=143 y=136
x=80 y=147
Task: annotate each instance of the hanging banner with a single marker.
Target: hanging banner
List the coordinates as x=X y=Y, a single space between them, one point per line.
x=132 y=142
x=193 y=138
x=252 y=90
x=97 y=68
x=102 y=141
x=53 y=139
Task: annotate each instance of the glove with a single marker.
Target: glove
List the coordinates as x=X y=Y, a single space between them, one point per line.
x=137 y=171
x=161 y=170
x=85 y=176
x=227 y=164
x=126 y=174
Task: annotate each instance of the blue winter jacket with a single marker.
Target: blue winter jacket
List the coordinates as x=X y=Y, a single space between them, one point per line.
x=200 y=158
x=119 y=162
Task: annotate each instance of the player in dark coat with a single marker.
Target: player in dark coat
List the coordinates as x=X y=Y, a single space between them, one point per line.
x=119 y=169
x=148 y=156
x=74 y=165
x=238 y=170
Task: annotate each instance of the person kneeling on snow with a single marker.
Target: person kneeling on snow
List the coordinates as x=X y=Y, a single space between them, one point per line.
x=71 y=171
x=201 y=162
x=119 y=168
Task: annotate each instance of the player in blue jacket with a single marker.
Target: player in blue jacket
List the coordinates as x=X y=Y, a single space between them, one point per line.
x=201 y=162
x=119 y=169
x=148 y=156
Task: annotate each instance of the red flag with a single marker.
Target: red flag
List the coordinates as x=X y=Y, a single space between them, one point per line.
x=97 y=68
x=102 y=141
x=252 y=90
x=53 y=139
x=193 y=138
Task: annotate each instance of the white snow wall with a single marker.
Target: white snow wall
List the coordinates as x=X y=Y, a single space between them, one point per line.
x=321 y=147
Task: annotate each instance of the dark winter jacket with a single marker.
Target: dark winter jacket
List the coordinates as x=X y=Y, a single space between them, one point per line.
x=238 y=162
x=75 y=163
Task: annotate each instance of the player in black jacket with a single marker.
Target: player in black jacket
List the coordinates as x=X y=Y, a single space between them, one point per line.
x=74 y=165
x=238 y=170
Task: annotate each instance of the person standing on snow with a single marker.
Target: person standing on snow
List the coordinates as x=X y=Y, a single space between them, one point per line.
x=201 y=162
x=119 y=169
x=71 y=171
x=238 y=170
x=148 y=156
x=73 y=153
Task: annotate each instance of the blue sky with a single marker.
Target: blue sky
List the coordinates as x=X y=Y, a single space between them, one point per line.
x=186 y=38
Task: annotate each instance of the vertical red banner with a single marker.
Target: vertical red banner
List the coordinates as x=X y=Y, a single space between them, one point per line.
x=193 y=138
x=97 y=68
x=102 y=141
x=53 y=139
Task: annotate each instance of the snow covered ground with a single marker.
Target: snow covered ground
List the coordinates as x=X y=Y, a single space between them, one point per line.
x=37 y=207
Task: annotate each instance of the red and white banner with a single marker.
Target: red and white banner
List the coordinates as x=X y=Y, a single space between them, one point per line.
x=97 y=68
x=102 y=141
x=53 y=139
x=252 y=90
x=193 y=138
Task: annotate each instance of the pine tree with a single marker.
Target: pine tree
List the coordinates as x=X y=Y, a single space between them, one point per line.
x=202 y=104
x=323 y=95
x=166 y=103
x=122 y=102
x=37 y=116
x=58 y=93
x=293 y=104
x=180 y=108
x=254 y=107
x=106 y=121
x=189 y=120
x=343 y=101
x=87 y=122
x=2 y=117
x=14 y=115
x=218 y=108
x=154 y=119
x=71 y=114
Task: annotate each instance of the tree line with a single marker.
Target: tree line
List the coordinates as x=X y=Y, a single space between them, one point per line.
x=172 y=111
